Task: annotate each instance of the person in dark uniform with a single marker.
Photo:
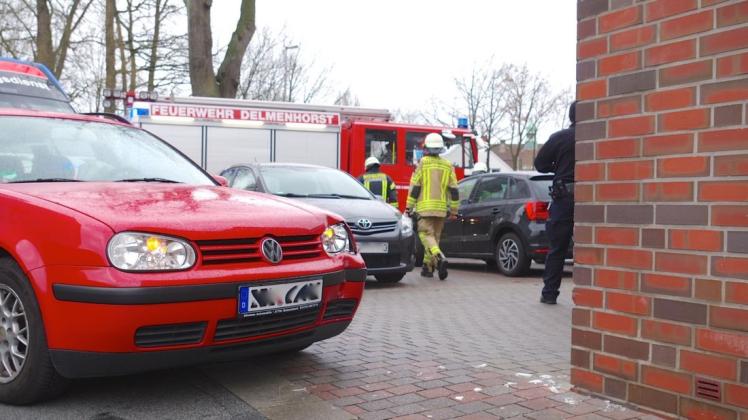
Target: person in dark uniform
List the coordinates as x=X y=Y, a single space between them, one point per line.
x=379 y=183
x=557 y=156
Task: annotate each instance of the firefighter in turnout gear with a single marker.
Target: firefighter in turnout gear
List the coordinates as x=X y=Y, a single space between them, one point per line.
x=433 y=197
x=379 y=183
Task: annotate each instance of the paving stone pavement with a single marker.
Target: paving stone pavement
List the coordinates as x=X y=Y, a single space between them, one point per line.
x=476 y=346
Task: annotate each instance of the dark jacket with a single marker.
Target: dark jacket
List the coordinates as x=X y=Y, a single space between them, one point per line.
x=557 y=154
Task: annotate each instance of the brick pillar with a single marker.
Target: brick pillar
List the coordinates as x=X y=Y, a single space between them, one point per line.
x=661 y=274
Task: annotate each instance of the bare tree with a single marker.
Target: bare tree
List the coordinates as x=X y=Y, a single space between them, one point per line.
x=70 y=18
x=347 y=98
x=275 y=69
x=530 y=102
x=494 y=108
x=225 y=82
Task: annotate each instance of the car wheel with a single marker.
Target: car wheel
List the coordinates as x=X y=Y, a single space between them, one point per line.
x=511 y=256
x=26 y=371
x=389 y=278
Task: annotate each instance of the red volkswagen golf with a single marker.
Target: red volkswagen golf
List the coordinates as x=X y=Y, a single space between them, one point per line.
x=118 y=254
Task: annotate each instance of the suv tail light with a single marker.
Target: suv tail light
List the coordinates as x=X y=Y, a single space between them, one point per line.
x=537 y=211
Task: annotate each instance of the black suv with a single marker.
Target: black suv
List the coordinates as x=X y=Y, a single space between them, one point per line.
x=501 y=221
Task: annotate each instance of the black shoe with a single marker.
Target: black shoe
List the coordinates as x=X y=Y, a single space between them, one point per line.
x=441 y=267
x=547 y=301
x=425 y=272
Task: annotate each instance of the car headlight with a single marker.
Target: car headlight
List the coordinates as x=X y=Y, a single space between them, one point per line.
x=406 y=225
x=135 y=251
x=335 y=239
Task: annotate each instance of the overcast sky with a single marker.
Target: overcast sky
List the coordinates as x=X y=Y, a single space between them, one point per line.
x=400 y=53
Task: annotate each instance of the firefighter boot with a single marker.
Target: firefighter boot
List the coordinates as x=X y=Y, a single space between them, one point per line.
x=426 y=271
x=441 y=266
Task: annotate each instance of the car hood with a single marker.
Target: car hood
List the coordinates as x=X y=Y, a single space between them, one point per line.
x=196 y=212
x=352 y=209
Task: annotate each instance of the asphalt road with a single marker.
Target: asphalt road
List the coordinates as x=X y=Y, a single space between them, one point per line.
x=398 y=327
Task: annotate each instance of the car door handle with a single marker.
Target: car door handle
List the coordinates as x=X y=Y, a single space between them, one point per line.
x=495 y=210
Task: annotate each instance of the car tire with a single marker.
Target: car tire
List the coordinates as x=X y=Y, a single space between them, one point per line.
x=36 y=378
x=511 y=256
x=389 y=277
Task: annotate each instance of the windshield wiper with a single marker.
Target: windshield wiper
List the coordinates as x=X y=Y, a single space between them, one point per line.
x=324 y=196
x=45 y=180
x=355 y=197
x=292 y=195
x=170 y=181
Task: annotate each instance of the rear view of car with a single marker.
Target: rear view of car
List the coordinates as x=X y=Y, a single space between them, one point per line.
x=501 y=221
x=29 y=85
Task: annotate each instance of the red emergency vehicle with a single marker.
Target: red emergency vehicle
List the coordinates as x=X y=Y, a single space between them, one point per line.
x=219 y=132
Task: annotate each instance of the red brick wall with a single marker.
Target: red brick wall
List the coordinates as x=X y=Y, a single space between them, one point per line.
x=661 y=275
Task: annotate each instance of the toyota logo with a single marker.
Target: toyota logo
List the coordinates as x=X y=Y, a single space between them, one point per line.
x=364 y=224
x=272 y=250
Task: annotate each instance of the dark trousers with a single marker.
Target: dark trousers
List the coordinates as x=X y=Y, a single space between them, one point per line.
x=559 y=228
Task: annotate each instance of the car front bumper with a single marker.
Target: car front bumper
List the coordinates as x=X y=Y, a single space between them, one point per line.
x=86 y=364
x=94 y=328
x=399 y=256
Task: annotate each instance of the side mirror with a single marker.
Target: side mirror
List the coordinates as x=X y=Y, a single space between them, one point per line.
x=221 y=180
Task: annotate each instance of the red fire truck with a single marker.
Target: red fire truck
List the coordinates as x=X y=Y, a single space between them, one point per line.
x=218 y=132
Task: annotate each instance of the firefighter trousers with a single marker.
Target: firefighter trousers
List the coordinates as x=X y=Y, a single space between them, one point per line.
x=430 y=232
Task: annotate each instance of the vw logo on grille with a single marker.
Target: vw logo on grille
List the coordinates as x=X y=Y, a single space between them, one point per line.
x=272 y=250
x=364 y=224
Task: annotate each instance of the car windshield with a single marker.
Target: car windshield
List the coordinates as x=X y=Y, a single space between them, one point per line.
x=34 y=149
x=300 y=181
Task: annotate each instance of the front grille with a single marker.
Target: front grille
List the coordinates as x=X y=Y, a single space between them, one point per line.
x=340 y=307
x=381 y=260
x=247 y=250
x=169 y=335
x=376 y=227
x=247 y=327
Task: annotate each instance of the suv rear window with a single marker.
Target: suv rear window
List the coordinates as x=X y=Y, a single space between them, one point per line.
x=541 y=184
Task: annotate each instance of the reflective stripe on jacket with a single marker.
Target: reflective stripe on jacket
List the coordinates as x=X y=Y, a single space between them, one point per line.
x=433 y=188
x=380 y=185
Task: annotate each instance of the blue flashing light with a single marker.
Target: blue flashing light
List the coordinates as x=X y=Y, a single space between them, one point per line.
x=462 y=122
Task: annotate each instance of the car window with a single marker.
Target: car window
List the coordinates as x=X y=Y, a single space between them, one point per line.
x=542 y=188
x=229 y=174
x=466 y=187
x=414 y=146
x=36 y=148
x=492 y=189
x=518 y=189
x=382 y=144
x=244 y=179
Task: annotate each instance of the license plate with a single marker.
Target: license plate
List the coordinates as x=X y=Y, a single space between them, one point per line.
x=272 y=299
x=374 y=247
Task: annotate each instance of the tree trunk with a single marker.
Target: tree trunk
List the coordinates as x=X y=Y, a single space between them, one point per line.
x=154 y=43
x=122 y=59
x=110 y=49
x=200 y=43
x=204 y=81
x=230 y=70
x=44 y=49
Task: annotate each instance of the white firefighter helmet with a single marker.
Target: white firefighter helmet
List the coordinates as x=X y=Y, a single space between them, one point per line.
x=433 y=141
x=480 y=168
x=370 y=161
